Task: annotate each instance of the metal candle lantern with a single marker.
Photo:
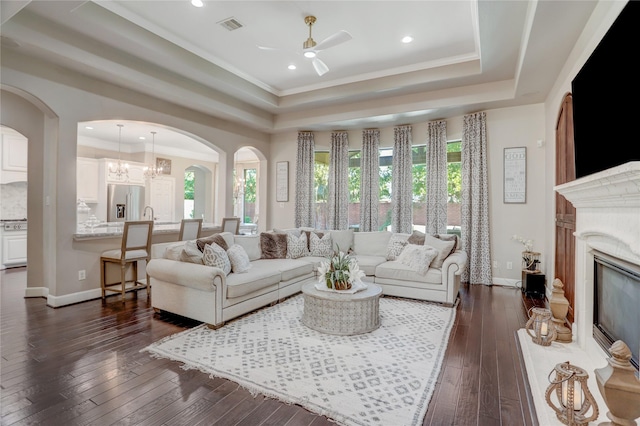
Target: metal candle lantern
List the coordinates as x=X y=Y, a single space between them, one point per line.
x=573 y=397
x=540 y=326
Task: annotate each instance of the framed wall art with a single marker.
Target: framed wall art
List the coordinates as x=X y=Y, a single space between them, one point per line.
x=515 y=175
x=282 y=181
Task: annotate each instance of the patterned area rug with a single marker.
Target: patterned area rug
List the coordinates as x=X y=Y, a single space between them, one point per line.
x=385 y=377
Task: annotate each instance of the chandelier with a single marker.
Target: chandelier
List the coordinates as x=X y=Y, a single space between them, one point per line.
x=120 y=170
x=152 y=171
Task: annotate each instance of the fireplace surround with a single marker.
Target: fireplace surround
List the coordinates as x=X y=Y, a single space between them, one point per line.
x=607 y=221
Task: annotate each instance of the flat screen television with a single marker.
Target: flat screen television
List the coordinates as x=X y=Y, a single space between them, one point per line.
x=606 y=98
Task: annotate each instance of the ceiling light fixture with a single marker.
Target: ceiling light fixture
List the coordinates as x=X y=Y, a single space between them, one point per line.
x=197 y=3
x=88 y=127
x=309 y=54
x=152 y=171
x=292 y=67
x=120 y=170
x=407 y=39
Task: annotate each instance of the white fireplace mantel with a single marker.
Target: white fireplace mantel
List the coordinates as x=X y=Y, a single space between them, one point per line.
x=607 y=220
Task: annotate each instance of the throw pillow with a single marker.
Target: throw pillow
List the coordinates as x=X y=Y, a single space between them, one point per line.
x=443 y=247
x=297 y=246
x=239 y=259
x=308 y=233
x=416 y=237
x=321 y=246
x=273 y=246
x=417 y=257
x=214 y=255
x=397 y=242
x=191 y=253
x=450 y=237
x=174 y=251
x=215 y=238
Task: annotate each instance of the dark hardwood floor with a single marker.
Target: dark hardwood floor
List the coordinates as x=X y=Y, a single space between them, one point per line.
x=82 y=365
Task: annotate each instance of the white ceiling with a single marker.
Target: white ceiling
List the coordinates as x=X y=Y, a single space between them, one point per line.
x=466 y=55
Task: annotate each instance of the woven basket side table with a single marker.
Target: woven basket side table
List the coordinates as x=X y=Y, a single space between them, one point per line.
x=341 y=313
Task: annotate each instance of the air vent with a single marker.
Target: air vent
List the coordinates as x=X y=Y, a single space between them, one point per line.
x=230 y=24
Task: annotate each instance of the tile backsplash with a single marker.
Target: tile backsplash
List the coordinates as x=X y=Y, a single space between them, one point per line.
x=13 y=200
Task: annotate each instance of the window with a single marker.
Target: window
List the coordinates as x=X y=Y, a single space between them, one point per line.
x=454 y=186
x=250 y=195
x=419 y=182
x=354 y=189
x=189 y=202
x=321 y=186
x=384 y=208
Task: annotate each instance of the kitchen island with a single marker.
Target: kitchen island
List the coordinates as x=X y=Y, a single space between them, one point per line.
x=162 y=231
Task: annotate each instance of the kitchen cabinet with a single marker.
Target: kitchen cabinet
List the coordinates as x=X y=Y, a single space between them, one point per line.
x=162 y=198
x=14 y=249
x=14 y=156
x=87 y=176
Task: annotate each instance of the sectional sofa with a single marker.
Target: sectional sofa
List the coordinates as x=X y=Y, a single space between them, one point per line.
x=182 y=284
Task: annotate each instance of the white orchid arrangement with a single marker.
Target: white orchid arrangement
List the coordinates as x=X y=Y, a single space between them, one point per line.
x=341 y=268
x=528 y=244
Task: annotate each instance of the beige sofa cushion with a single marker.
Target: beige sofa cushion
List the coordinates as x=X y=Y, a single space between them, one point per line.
x=289 y=268
x=256 y=278
x=250 y=244
x=368 y=264
x=400 y=272
x=371 y=243
x=342 y=240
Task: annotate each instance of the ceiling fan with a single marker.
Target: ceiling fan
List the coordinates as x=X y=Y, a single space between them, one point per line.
x=311 y=48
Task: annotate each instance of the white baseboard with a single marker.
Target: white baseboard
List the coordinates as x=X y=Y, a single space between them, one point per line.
x=36 y=292
x=508 y=282
x=70 y=299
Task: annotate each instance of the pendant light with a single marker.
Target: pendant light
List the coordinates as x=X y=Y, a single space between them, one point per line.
x=120 y=170
x=152 y=171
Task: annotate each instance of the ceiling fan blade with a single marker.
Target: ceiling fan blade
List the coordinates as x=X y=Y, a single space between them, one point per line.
x=333 y=40
x=320 y=67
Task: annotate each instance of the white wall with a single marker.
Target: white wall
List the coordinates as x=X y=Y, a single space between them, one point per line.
x=69 y=99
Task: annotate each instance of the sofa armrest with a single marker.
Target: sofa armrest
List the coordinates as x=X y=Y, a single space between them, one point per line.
x=201 y=277
x=456 y=260
x=452 y=268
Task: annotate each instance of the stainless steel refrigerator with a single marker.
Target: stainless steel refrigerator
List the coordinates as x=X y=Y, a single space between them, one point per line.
x=124 y=202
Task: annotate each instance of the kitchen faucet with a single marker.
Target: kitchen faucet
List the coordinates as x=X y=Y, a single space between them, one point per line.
x=144 y=213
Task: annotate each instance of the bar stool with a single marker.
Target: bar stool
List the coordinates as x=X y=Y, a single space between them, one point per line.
x=231 y=224
x=136 y=246
x=190 y=229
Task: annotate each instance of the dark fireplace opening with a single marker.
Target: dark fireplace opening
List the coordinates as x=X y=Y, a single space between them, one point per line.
x=616 y=311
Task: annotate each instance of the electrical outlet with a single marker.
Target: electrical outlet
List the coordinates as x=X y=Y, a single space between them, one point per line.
x=509 y=265
x=82 y=275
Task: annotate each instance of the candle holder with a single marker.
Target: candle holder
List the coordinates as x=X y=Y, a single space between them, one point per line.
x=572 y=395
x=540 y=326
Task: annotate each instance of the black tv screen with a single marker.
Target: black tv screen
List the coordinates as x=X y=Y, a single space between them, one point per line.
x=606 y=99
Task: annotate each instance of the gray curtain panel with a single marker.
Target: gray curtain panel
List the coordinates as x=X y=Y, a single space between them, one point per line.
x=369 y=180
x=401 y=183
x=475 y=200
x=305 y=188
x=437 y=194
x=338 y=204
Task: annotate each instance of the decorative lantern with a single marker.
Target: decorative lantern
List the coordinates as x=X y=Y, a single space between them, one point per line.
x=619 y=386
x=540 y=326
x=573 y=398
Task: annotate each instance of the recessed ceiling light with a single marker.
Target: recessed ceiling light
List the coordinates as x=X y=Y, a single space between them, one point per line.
x=88 y=127
x=292 y=67
x=407 y=39
x=197 y=3
x=141 y=138
x=309 y=54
